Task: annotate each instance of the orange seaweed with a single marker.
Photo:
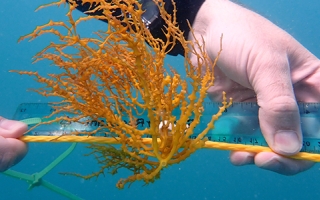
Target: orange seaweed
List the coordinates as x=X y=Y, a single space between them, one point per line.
x=116 y=76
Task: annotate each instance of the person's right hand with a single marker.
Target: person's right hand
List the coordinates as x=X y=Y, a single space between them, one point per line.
x=261 y=62
x=12 y=150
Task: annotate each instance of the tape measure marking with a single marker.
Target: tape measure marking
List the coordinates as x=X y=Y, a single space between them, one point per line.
x=239 y=124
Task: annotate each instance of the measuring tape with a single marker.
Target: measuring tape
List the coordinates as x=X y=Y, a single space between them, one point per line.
x=239 y=124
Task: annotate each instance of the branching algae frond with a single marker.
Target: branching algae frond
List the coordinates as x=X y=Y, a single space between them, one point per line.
x=117 y=76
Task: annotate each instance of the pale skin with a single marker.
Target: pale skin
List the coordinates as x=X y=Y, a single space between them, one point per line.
x=261 y=62
x=12 y=150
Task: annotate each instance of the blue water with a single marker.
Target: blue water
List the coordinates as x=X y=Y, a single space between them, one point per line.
x=206 y=175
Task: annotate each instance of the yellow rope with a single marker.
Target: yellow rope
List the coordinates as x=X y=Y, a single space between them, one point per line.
x=209 y=144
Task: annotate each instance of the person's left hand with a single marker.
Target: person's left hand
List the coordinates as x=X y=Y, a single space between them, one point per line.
x=12 y=150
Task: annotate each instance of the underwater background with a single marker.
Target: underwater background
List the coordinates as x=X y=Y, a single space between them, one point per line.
x=207 y=174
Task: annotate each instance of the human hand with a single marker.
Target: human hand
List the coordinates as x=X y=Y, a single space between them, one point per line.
x=12 y=150
x=261 y=62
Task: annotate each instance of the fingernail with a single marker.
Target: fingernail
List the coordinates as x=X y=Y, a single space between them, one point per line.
x=242 y=158
x=287 y=142
x=2 y=121
x=249 y=160
x=10 y=124
x=6 y=124
x=272 y=164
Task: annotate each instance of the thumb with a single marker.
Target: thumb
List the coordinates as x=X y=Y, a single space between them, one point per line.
x=280 y=124
x=12 y=128
x=278 y=113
